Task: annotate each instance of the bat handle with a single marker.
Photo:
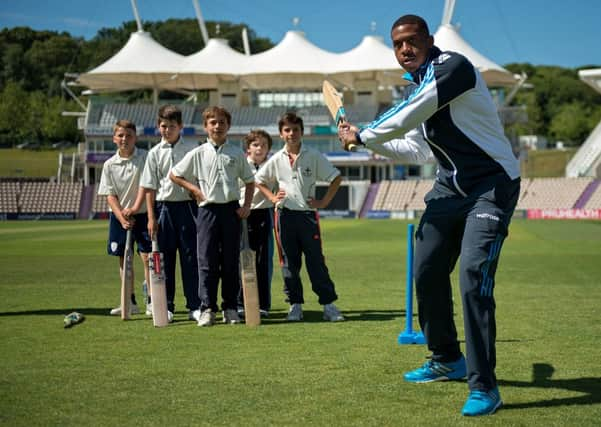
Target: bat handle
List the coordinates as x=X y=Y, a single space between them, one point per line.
x=155 y=244
x=245 y=242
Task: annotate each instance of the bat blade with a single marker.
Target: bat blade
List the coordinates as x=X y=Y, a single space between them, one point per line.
x=333 y=100
x=248 y=272
x=127 y=281
x=158 y=290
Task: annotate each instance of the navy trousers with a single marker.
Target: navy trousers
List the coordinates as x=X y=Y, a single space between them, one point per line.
x=473 y=229
x=177 y=233
x=297 y=234
x=218 y=248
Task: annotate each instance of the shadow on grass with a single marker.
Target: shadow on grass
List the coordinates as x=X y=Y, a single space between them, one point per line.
x=95 y=311
x=541 y=378
x=316 y=316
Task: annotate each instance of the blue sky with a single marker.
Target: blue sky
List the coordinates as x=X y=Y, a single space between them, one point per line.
x=541 y=32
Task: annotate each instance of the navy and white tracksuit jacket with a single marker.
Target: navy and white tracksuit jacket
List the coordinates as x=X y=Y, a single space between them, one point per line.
x=450 y=115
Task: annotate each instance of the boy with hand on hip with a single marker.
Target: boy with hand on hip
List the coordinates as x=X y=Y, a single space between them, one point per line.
x=119 y=183
x=295 y=169
x=257 y=145
x=211 y=173
x=171 y=210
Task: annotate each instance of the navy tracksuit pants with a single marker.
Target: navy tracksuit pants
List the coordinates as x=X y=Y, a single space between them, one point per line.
x=473 y=229
x=218 y=249
x=177 y=233
x=298 y=233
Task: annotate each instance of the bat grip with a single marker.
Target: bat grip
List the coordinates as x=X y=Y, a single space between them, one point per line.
x=245 y=242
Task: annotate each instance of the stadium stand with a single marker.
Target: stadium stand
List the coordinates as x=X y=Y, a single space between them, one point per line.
x=9 y=192
x=402 y=195
x=417 y=201
x=99 y=205
x=594 y=202
x=535 y=193
x=552 y=193
x=41 y=197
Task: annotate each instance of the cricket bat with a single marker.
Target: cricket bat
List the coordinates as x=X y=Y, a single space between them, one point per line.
x=249 y=280
x=158 y=290
x=333 y=100
x=127 y=280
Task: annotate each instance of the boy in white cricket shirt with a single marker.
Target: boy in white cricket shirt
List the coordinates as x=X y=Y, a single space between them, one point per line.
x=257 y=144
x=210 y=173
x=295 y=169
x=171 y=210
x=119 y=183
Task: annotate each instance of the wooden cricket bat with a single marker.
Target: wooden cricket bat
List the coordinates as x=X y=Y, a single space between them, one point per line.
x=127 y=280
x=333 y=100
x=248 y=272
x=158 y=290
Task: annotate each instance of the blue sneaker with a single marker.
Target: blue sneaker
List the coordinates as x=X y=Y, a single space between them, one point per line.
x=437 y=371
x=482 y=403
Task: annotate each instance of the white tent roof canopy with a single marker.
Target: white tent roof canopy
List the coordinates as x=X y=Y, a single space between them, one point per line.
x=447 y=38
x=141 y=63
x=216 y=62
x=370 y=59
x=591 y=77
x=294 y=63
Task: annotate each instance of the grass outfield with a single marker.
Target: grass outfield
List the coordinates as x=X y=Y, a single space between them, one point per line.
x=109 y=372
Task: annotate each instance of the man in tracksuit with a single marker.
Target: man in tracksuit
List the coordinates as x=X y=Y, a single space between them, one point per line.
x=450 y=115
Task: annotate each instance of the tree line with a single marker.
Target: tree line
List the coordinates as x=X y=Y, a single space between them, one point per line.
x=33 y=65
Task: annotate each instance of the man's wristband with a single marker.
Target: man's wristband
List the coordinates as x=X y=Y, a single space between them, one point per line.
x=358 y=138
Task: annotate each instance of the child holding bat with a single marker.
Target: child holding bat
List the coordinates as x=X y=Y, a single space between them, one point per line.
x=171 y=210
x=257 y=144
x=211 y=173
x=295 y=169
x=119 y=183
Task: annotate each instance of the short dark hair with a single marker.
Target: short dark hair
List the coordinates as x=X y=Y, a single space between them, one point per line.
x=254 y=135
x=412 y=19
x=125 y=124
x=291 y=118
x=170 y=112
x=214 y=111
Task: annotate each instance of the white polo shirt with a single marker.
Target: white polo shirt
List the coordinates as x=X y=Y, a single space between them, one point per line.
x=161 y=158
x=216 y=171
x=121 y=178
x=297 y=180
x=259 y=201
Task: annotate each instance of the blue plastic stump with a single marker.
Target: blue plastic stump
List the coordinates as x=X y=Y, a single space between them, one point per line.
x=409 y=336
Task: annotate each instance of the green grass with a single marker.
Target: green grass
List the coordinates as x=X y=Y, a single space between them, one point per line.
x=546 y=163
x=109 y=372
x=29 y=163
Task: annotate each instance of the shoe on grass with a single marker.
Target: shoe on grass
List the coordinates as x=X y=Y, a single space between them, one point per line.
x=133 y=310
x=295 y=314
x=170 y=316
x=207 y=318
x=437 y=371
x=332 y=314
x=230 y=316
x=149 y=309
x=194 y=315
x=481 y=402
